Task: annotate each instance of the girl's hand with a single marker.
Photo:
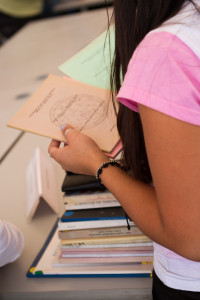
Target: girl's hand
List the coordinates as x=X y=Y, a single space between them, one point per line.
x=80 y=154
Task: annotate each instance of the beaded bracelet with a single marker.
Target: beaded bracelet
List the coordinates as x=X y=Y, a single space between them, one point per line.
x=105 y=165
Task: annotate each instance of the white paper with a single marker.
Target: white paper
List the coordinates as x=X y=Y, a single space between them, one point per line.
x=40 y=183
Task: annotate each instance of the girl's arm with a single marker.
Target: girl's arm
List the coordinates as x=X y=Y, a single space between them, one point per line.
x=169 y=213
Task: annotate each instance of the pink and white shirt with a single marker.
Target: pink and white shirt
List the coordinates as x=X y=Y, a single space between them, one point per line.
x=164 y=74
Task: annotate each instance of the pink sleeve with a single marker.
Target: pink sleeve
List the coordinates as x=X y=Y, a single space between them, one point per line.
x=164 y=74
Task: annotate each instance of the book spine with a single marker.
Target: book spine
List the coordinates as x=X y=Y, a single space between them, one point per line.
x=95 y=233
x=89 y=200
x=110 y=248
x=107 y=260
x=141 y=256
x=100 y=261
x=91 y=224
x=88 y=246
x=87 y=197
x=112 y=240
x=73 y=205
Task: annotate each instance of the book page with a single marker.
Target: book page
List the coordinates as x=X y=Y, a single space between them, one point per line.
x=92 y=64
x=64 y=101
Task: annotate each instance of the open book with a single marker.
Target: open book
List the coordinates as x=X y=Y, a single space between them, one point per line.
x=65 y=101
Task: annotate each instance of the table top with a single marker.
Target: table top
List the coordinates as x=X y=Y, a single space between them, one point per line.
x=74 y=5
x=38 y=49
x=13 y=280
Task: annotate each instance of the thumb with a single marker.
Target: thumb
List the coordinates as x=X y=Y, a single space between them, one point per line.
x=66 y=129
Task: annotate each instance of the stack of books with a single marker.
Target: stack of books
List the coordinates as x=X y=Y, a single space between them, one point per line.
x=95 y=233
x=93 y=238
x=101 y=235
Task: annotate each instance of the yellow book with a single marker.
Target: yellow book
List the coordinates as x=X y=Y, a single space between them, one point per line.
x=108 y=240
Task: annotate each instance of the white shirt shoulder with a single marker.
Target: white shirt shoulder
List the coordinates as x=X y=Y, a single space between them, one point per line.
x=11 y=243
x=185 y=25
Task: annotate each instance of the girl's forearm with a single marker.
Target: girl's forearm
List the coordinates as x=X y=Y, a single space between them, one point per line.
x=137 y=199
x=140 y=203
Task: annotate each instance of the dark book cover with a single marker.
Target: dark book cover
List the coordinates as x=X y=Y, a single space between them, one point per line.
x=108 y=213
x=78 y=182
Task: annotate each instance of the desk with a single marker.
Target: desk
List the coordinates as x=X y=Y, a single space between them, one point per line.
x=39 y=48
x=66 y=6
x=13 y=281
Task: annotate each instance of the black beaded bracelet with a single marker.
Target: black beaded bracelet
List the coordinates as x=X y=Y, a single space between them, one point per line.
x=105 y=165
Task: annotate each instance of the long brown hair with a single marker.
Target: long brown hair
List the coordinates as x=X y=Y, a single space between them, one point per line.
x=133 y=20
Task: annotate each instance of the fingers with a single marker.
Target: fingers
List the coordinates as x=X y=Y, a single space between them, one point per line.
x=66 y=130
x=53 y=148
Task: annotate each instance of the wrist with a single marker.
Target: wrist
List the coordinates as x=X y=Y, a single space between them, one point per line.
x=104 y=165
x=95 y=162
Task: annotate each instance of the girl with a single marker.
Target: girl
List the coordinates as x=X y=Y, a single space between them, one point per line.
x=157 y=51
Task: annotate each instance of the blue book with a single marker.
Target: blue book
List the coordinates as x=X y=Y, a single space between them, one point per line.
x=93 y=218
x=93 y=214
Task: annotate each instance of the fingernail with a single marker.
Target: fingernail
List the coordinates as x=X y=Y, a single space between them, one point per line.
x=63 y=126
